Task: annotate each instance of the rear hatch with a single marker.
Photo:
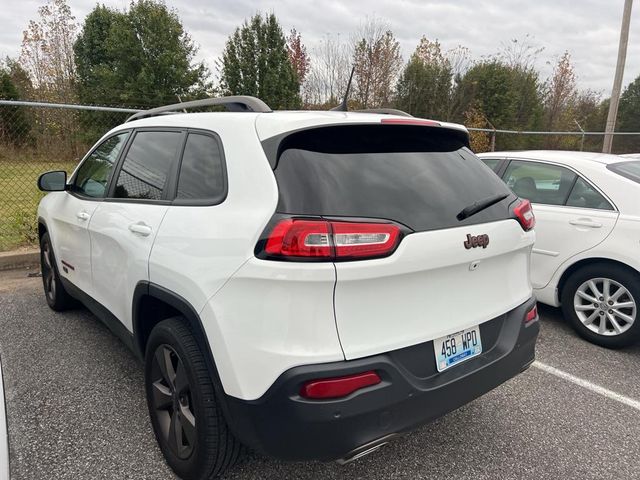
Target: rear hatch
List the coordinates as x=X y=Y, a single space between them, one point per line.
x=447 y=271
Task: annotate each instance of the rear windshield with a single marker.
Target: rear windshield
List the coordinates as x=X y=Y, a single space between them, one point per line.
x=418 y=176
x=631 y=170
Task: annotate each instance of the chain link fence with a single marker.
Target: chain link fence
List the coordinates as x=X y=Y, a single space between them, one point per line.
x=35 y=138
x=38 y=137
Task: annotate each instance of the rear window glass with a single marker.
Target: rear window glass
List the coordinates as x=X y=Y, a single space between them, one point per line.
x=147 y=164
x=631 y=170
x=418 y=176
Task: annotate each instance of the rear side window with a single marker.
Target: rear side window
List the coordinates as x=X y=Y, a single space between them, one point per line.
x=539 y=182
x=630 y=170
x=146 y=165
x=584 y=195
x=201 y=173
x=418 y=176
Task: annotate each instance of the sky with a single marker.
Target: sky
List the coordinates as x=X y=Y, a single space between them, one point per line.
x=588 y=29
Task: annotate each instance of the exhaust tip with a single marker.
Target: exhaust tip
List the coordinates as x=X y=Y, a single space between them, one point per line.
x=365 y=449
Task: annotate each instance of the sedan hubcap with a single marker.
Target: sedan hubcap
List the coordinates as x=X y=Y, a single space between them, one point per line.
x=48 y=277
x=605 y=306
x=171 y=399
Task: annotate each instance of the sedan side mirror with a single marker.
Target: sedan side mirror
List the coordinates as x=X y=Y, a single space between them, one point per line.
x=55 y=181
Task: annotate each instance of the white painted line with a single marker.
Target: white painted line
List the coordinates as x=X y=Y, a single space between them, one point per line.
x=605 y=392
x=4 y=440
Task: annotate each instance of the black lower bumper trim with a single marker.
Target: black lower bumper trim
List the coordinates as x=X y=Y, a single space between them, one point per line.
x=284 y=425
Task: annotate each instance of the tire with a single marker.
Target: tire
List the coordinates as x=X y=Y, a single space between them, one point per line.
x=57 y=297
x=602 y=302
x=204 y=447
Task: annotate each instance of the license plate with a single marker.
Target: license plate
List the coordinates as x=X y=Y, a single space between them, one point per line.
x=457 y=347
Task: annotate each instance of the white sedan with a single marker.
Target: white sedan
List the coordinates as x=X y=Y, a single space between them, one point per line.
x=586 y=258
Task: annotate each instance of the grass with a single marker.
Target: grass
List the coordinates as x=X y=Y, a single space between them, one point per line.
x=19 y=196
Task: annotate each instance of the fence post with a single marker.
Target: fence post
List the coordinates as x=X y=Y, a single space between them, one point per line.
x=493 y=140
x=582 y=139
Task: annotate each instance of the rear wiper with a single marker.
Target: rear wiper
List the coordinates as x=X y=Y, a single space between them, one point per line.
x=481 y=205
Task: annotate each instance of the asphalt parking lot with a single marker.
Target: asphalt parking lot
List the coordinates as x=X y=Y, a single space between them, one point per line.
x=76 y=409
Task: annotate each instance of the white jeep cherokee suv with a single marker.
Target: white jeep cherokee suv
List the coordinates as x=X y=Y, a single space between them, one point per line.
x=308 y=284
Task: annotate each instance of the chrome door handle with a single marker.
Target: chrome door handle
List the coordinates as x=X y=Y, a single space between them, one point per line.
x=83 y=216
x=140 y=229
x=585 y=223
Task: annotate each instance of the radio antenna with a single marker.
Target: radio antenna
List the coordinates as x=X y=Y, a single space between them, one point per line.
x=343 y=106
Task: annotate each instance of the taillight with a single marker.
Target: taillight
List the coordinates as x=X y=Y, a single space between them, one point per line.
x=524 y=213
x=293 y=238
x=339 y=386
x=531 y=315
x=299 y=238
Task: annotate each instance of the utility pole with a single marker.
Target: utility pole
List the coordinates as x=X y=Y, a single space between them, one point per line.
x=617 y=80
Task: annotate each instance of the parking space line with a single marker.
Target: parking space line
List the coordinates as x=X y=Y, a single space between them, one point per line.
x=4 y=439
x=605 y=392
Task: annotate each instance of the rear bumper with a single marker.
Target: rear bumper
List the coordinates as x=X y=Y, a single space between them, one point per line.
x=282 y=424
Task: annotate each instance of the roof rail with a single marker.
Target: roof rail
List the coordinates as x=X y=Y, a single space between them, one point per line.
x=238 y=103
x=385 y=111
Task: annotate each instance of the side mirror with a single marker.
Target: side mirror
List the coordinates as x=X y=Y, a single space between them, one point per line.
x=55 y=181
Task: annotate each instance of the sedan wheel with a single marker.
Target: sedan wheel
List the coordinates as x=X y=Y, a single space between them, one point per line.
x=605 y=306
x=601 y=303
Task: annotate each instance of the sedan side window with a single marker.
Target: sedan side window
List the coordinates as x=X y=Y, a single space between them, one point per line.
x=93 y=175
x=539 y=182
x=585 y=196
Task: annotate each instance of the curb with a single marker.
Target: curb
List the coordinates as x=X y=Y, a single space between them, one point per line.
x=4 y=434
x=19 y=259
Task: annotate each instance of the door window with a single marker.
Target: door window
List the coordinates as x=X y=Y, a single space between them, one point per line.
x=146 y=165
x=93 y=175
x=585 y=196
x=539 y=182
x=201 y=174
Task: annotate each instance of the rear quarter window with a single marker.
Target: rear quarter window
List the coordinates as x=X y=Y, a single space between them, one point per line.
x=421 y=177
x=630 y=170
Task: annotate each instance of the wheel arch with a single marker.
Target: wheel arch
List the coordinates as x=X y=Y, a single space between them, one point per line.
x=153 y=303
x=42 y=227
x=589 y=261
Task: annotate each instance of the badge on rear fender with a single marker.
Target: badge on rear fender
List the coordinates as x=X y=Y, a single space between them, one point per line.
x=474 y=241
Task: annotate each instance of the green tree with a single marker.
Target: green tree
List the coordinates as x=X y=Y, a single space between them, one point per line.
x=424 y=86
x=629 y=119
x=138 y=57
x=507 y=95
x=255 y=62
x=142 y=56
x=15 y=125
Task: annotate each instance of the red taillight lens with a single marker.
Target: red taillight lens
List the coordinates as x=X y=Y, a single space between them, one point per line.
x=322 y=239
x=531 y=315
x=338 y=386
x=299 y=238
x=524 y=214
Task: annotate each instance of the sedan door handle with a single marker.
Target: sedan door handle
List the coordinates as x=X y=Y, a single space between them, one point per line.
x=140 y=229
x=83 y=216
x=585 y=223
